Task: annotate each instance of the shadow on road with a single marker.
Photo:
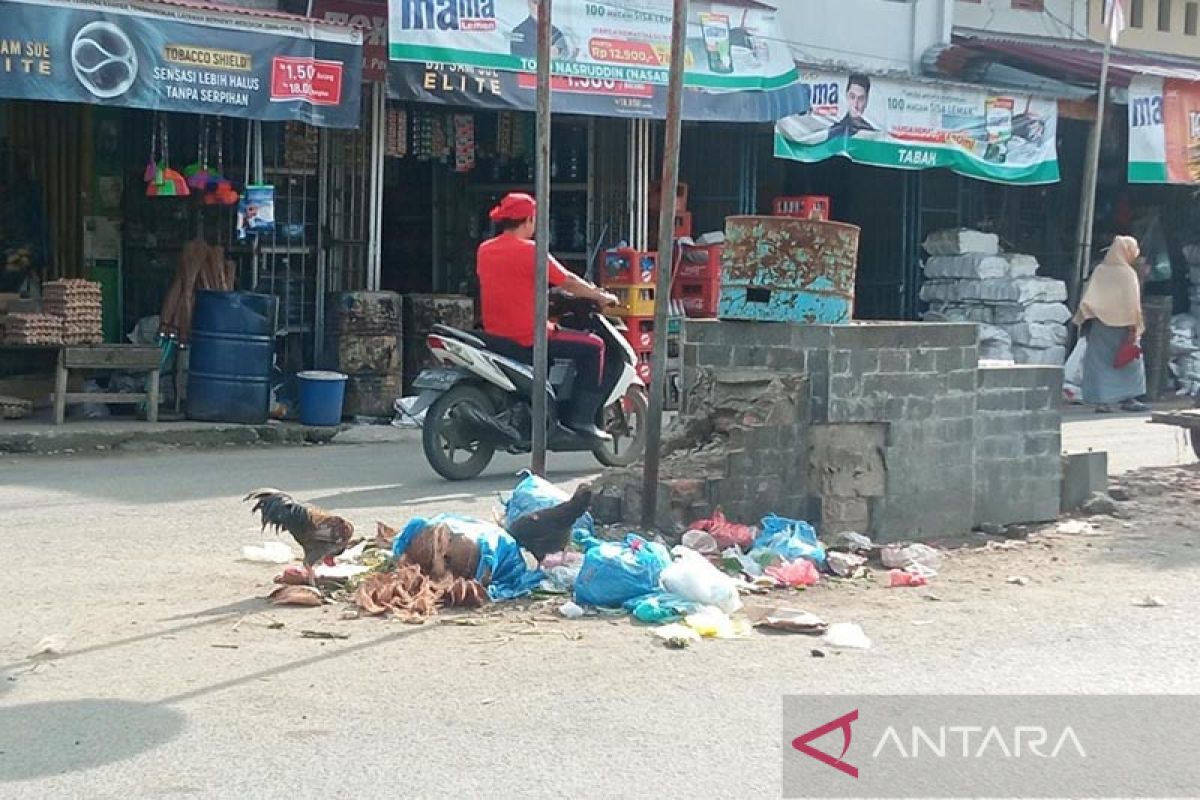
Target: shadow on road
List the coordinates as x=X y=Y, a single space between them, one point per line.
x=52 y=738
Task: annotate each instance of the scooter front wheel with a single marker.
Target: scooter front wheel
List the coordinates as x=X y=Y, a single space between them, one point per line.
x=444 y=442
x=625 y=421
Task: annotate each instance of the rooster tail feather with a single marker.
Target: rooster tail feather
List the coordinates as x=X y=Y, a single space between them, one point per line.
x=278 y=510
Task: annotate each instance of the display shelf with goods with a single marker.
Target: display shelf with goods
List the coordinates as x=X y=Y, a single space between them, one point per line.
x=446 y=169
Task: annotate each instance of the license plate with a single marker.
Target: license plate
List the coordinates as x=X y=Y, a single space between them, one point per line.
x=440 y=379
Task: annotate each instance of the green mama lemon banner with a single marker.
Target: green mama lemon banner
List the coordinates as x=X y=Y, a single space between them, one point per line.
x=729 y=46
x=1006 y=138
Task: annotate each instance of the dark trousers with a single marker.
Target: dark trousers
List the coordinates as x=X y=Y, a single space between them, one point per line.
x=586 y=350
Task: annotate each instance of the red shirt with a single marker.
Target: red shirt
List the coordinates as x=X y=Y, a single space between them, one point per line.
x=505 y=266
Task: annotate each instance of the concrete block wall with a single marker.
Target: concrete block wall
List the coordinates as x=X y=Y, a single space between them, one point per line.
x=920 y=380
x=1018 y=445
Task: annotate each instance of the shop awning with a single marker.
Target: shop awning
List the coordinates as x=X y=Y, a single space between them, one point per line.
x=1077 y=63
x=182 y=56
x=609 y=58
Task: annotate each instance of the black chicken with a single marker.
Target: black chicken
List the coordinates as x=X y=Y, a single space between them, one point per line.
x=549 y=530
x=322 y=535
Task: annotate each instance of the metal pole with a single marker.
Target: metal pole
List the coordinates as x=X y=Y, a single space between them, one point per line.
x=541 y=281
x=666 y=247
x=1090 y=178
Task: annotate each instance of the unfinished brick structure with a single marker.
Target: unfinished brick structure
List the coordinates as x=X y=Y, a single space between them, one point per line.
x=895 y=432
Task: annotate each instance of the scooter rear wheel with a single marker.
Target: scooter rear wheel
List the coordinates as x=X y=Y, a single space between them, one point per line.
x=625 y=421
x=441 y=441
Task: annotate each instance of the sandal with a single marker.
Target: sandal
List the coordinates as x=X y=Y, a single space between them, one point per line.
x=1135 y=407
x=1104 y=408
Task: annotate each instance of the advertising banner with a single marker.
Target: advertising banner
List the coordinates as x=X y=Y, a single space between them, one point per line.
x=1164 y=131
x=370 y=16
x=172 y=59
x=610 y=58
x=885 y=123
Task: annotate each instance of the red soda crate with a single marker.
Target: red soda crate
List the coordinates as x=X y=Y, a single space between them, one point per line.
x=699 y=297
x=700 y=262
x=683 y=224
x=643 y=365
x=624 y=265
x=807 y=206
x=639 y=332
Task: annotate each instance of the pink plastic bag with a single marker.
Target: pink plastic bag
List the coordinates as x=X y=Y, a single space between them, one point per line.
x=900 y=578
x=727 y=534
x=794 y=574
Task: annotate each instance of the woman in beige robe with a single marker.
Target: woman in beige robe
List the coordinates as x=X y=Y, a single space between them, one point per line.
x=1110 y=316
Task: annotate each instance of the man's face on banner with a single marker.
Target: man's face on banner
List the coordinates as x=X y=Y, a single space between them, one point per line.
x=856 y=100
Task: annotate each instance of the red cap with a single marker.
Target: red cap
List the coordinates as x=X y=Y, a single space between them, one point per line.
x=515 y=205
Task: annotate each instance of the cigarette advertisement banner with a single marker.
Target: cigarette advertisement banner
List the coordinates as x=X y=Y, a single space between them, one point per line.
x=180 y=60
x=885 y=123
x=1164 y=131
x=608 y=57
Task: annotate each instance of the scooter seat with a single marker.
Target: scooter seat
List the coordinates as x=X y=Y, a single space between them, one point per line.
x=462 y=336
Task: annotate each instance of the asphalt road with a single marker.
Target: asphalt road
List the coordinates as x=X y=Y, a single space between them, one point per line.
x=172 y=682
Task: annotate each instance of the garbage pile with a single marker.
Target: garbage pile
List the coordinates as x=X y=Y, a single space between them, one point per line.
x=1023 y=318
x=696 y=590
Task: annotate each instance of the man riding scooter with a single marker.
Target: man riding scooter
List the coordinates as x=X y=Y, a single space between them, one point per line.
x=506 y=266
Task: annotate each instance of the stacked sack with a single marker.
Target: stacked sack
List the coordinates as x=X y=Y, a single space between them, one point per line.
x=1022 y=317
x=1185 y=332
x=33 y=329
x=77 y=302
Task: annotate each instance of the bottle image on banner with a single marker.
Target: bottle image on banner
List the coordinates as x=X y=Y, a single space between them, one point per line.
x=717 y=43
x=999 y=112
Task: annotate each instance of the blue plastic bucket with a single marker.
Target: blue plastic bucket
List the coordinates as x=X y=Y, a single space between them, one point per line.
x=321 y=396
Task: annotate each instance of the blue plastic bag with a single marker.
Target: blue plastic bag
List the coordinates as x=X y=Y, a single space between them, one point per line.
x=499 y=553
x=535 y=494
x=789 y=539
x=660 y=608
x=614 y=573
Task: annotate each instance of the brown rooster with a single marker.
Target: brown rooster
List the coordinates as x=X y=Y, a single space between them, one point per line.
x=549 y=531
x=322 y=535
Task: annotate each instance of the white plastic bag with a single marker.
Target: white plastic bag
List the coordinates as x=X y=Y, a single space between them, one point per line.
x=268 y=553
x=1073 y=369
x=693 y=578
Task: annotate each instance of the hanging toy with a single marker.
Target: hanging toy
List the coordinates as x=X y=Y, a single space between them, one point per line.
x=167 y=182
x=218 y=190
x=198 y=173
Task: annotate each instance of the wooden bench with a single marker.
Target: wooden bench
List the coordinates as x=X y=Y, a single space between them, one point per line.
x=120 y=357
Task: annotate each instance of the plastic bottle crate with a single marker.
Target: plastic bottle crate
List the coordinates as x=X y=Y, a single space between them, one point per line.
x=700 y=262
x=700 y=298
x=639 y=332
x=624 y=266
x=633 y=299
x=807 y=206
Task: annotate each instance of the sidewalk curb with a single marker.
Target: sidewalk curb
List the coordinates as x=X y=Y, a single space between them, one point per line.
x=68 y=441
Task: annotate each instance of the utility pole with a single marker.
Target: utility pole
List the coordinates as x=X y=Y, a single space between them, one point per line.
x=666 y=250
x=541 y=281
x=1091 y=175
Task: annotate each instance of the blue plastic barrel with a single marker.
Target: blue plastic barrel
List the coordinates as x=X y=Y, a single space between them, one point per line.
x=321 y=397
x=232 y=348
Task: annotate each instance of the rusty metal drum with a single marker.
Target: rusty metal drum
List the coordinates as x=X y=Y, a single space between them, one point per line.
x=782 y=269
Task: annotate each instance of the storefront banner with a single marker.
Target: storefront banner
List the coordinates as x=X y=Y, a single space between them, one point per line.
x=517 y=91
x=370 y=16
x=904 y=125
x=729 y=47
x=168 y=58
x=1164 y=131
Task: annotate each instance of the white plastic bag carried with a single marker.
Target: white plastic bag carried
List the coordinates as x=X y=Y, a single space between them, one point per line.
x=692 y=577
x=1073 y=370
